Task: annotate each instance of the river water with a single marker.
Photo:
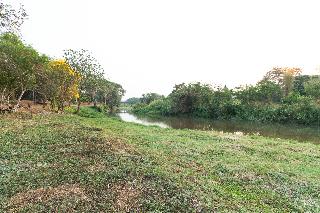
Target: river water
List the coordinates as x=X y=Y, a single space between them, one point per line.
x=295 y=132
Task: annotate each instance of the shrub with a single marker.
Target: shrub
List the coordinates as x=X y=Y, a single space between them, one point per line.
x=157 y=107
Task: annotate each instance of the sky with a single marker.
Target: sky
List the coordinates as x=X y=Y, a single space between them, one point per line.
x=151 y=45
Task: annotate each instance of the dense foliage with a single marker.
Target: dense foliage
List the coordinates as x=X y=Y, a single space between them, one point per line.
x=110 y=94
x=60 y=83
x=93 y=86
x=23 y=71
x=19 y=65
x=149 y=97
x=282 y=96
x=133 y=100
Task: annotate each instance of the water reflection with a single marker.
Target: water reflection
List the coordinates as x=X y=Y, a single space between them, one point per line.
x=296 y=132
x=145 y=121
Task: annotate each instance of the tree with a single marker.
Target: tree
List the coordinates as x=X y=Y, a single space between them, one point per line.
x=110 y=94
x=221 y=104
x=247 y=94
x=283 y=76
x=268 y=91
x=149 y=97
x=19 y=64
x=11 y=19
x=312 y=88
x=191 y=98
x=58 y=83
x=133 y=100
x=90 y=71
x=298 y=83
x=7 y=84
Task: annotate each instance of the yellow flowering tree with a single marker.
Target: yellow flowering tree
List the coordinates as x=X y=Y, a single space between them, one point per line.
x=60 y=84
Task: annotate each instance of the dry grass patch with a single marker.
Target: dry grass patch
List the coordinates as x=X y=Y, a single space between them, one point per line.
x=127 y=197
x=96 y=168
x=43 y=195
x=247 y=176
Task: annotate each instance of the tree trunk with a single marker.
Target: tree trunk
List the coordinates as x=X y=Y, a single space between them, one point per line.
x=15 y=108
x=78 y=107
x=61 y=107
x=93 y=98
x=3 y=96
x=8 y=99
x=33 y=97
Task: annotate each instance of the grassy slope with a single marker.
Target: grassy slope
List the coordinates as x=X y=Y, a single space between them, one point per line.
x=96 y=163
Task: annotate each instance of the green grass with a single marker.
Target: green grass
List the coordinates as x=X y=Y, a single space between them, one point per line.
x=94 y=163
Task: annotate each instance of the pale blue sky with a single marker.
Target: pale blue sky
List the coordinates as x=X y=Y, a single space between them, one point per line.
x=148 y=46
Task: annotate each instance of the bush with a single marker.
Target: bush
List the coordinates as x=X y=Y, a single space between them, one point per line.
x=139 y=108
x=90 y=112
x=157 y=107
x=103 y=108
x=299 y=109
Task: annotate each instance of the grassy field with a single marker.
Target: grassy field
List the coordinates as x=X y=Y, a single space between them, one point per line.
x=94 y=163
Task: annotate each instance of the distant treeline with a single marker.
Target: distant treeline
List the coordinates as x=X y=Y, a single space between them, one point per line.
x=283 y=95
x=24 y=73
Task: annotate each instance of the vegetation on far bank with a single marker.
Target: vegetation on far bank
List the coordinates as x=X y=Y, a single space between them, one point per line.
x=283 y=95
x=90 y=162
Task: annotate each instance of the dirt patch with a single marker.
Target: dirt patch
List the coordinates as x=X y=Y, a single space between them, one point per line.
x=22 y=199
x=92 y=129
x=33 y=108
x=120 y=146
x=96 y=168
x=247 y=176
x=127 y=197
x=112 y=144
x=27 y=107
x=93 y=147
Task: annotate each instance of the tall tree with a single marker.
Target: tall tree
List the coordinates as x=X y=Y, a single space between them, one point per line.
x=268 y=91
x=147 y=98
x=283 y=76
x=19 y=64
x=110 y=94
x=191 y=98
x=58 y=83
x=90 y=71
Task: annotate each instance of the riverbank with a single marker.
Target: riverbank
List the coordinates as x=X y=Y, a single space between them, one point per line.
x=91 y=162
x=300 y=133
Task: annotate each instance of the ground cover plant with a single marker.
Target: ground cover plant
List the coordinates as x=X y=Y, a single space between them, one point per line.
x=92 y=162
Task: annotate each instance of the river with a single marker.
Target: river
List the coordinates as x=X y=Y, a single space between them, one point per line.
x=295 y=132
